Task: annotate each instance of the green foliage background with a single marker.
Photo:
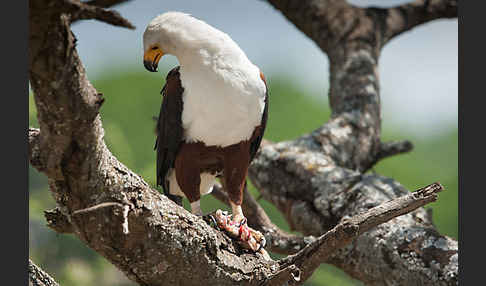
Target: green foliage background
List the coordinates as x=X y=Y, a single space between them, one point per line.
x=132 y=99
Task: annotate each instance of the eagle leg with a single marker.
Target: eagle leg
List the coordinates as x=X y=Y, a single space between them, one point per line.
x=196 y=208
x=236 y=225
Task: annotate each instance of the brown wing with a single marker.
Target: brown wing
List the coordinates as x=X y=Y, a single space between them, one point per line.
x=169 y=127
x=257 y=137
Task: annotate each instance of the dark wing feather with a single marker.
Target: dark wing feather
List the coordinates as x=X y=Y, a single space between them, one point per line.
x=256 y=139
x=169 y=127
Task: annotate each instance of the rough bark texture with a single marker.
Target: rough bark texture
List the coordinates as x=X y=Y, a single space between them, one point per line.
x=316 y=180
x=312 y=256
x=37 y=277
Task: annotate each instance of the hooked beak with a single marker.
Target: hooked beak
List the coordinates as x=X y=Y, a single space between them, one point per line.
x=151 y=59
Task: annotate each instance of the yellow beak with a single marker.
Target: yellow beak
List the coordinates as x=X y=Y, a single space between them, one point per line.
x=151 y=58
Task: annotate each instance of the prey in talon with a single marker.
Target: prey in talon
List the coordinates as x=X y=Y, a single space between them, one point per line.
x=212 y=119
x=248 y=237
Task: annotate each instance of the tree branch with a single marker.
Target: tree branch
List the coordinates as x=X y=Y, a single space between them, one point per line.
x=332 y=21
x=314 y=195
x=388 y=149
x=57 y=221
x=405 y=17
x=37 y=277
x=94 y=10
x=308 y=259
x=105 y=3
x=392 y=148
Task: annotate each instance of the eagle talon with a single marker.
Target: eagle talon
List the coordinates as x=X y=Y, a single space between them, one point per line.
x=262 y=245
x=242 y=222
x=211 y=220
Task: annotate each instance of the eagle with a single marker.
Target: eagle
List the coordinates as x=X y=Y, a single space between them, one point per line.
x=213 y=114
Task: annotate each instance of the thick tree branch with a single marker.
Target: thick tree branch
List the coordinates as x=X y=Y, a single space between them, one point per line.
x=37 y=277
x=326 y=22
x=95 y=10
x=314 y=195
x=308 y=259
x=352 y=38
x=405 y=17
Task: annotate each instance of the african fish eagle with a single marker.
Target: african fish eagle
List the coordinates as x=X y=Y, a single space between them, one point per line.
x=213 y=113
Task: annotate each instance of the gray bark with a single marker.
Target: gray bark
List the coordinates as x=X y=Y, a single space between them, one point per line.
x=317 y=180
x=37 y=277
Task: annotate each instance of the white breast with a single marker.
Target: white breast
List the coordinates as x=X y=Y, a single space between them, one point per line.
x=222 y=104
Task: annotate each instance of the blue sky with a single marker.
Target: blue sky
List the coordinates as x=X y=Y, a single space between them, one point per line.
x=418 y=70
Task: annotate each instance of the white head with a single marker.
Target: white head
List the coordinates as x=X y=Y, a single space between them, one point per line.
x=180 y=34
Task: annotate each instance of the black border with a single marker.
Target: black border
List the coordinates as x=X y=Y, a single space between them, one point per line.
x=15 y=120
x=472 y=45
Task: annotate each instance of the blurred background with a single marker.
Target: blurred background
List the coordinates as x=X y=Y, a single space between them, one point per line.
x=419 y=94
